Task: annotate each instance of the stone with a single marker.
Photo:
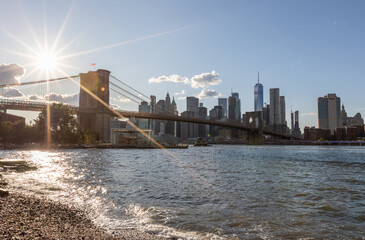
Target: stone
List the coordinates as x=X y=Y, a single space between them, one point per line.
x=3 y=193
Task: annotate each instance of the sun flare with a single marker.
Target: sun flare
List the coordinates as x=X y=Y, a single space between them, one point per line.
x=47 y=61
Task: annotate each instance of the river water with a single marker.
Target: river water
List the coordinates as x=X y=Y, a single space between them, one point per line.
x=217 y=192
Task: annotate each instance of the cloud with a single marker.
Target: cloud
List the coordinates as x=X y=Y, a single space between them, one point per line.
x=10 y=93
x=205 y=79
x=71 y=99
x=308 y=114
x=198 y=81
x=10 y=73
x=172 y=78
x=359 y=109
x=115 y=106
x=123 y=100
x=181 y=98
x=207 y=93
x=180 y=93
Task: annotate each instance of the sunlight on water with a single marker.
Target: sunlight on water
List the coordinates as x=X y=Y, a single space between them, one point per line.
x=263 y=192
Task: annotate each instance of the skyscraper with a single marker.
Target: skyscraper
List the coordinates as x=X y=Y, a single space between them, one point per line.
x=282 y=110
x=192 y=104
x=232 y=108
x=274 y=106
x=259 y=95
x=238 y=106
x=223 y=102
x=143 y=108
x=329 y=112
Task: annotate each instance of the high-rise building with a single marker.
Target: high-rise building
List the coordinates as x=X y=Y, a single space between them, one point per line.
x=203 y=113
x=259 y=95
x=153 y=110
x=232 y=108
x=223 y=102
x=190 y=130
x=192 y=104
x=329 y=112
x=274 y=106
x=238 y=106
x=295 y=130
x=143 y=108
x=282 y=110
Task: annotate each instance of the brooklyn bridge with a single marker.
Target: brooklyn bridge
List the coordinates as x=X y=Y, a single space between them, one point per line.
x=94 y=110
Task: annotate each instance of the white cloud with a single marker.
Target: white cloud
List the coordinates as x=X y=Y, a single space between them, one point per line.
x=122 y=100
x=10 y=93
x=172 y=78
x=180 y=93
x=207 y=93
x=198 y=81
x=181 y=98
x=71 y=99
x=11 y=73
x=205 y=79
x=309 y=114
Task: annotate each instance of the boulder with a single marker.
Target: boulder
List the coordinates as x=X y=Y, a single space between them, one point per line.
x=3 y=193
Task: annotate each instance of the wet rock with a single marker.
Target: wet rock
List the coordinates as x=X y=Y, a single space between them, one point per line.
x=4 y=193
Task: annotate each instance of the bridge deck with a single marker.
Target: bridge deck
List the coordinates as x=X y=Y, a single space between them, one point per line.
x=38 y=106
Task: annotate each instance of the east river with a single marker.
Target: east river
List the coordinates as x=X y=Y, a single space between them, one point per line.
x=245 y=192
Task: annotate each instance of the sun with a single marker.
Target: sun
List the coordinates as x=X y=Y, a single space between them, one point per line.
x=46 y=61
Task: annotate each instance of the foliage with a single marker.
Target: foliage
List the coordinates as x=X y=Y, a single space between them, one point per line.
x=63 y=124
x=90 y=137
x=12 y=132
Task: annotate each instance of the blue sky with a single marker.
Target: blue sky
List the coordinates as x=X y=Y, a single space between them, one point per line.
x=305 y=48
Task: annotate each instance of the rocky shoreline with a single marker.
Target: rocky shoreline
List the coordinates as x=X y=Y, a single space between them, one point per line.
x=30 y=217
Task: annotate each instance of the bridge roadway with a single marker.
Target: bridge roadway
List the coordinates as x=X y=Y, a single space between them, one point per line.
x=38 y=106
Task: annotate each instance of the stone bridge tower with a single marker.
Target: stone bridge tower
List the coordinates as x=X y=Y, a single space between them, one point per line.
x=254 y=120
x=93 y=115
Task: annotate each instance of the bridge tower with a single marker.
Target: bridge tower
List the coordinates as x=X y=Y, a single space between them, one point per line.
x=254 y=120
x=93 y=115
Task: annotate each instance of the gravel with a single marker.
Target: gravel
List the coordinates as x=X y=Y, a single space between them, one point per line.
x=30 y=217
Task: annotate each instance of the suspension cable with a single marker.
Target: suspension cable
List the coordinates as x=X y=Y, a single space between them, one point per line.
x=115 y=85
x=123 y=95
x=35 y=82
x=130 y=87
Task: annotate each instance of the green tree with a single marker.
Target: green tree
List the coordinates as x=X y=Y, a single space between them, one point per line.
x=12 y=132
x=63 y=124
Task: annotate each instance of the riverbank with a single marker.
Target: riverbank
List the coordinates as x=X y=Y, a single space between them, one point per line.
x=30 y=217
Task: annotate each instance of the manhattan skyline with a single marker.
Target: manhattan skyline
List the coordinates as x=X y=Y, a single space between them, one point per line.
x=204 y=49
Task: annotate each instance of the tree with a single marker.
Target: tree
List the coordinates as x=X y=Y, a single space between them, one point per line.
x=63 y=124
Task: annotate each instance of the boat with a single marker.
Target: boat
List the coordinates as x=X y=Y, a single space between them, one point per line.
x=200 y=142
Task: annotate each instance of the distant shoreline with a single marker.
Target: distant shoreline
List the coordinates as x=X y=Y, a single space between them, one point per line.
x=180 y=146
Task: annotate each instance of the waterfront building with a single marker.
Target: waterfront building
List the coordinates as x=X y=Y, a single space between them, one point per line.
x=238 y=106
x=274 y=106
x=329 y=115
x=232 y=108
x=282 y=111
x=259 y=95
x=266 y=114
x=203 y=113
x=315 y=134
x=223 y=102
x=143 y=123
x=153 y=110
x=295 y=129
x=216 y=113
x=349 y=133
x=192 y=104
x=190 y=130
x=350 y=121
